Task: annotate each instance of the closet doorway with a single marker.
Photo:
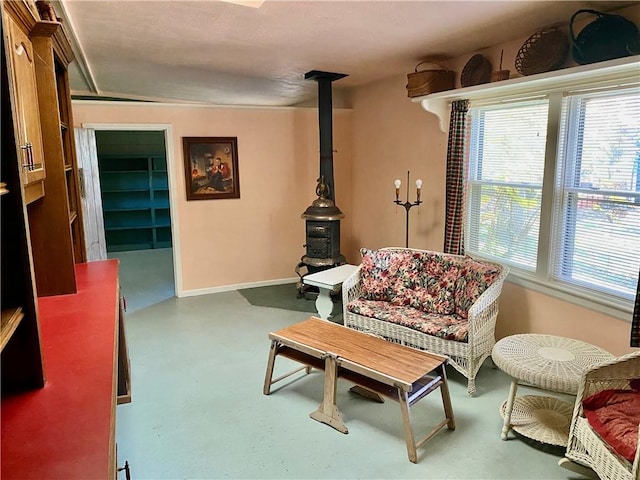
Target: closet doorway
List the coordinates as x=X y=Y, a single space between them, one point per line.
x=132 y=202
x=134 y=183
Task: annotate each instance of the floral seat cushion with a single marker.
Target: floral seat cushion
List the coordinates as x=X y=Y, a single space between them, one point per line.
x=422 y=280
x=429 y=284
x=449 y=327
x=426 y=291
x=380 y=273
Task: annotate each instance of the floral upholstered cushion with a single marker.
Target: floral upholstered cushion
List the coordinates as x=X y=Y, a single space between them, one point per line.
x=449 y=327
x=474 y=278
x=380 y=272
x=429 y=284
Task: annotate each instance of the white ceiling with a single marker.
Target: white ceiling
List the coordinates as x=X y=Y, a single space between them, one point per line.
x=225 y=53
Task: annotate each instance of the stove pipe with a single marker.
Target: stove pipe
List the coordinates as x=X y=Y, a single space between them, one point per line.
x=325 y=120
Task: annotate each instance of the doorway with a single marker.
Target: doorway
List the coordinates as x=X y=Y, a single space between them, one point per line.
x=134 y=173
x=135 y=189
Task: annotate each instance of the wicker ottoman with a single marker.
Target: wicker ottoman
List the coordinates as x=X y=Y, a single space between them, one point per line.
x=549 y=362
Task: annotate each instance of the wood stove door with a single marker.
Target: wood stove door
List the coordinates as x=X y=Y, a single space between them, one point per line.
x=318 y=241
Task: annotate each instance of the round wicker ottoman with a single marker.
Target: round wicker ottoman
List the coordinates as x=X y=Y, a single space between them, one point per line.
x=548 y=362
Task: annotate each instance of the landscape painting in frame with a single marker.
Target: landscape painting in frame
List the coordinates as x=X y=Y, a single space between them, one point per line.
x=211 y=167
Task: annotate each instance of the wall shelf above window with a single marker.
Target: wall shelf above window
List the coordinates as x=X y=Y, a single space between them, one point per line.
x=625 y=71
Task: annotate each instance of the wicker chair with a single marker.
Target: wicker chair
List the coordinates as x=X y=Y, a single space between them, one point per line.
x=466 y=357
x=585 y=446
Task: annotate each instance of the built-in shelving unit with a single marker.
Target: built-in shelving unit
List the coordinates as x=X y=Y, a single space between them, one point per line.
x=21 y=363
x=55 y=220
x=135 y=201
x=11 y=318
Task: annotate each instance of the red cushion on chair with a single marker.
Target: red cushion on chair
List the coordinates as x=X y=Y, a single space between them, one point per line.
x=615 y=415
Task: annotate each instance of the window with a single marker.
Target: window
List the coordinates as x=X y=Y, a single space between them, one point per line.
x=553 y=190
x=504 y=190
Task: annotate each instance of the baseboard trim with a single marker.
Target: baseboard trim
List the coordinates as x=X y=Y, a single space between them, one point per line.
x=237 y=286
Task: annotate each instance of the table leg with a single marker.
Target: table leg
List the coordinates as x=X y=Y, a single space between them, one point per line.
x=446 y=399
x=268 y=377
x=324 y=304
x=406 y=423
x=266 y=389
x=366 y=393
x=509 y=407
x=328 y=410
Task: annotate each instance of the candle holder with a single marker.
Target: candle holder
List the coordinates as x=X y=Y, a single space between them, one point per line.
x=407 y=204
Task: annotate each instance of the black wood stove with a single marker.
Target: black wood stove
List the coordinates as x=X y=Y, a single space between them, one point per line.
x=322 y=217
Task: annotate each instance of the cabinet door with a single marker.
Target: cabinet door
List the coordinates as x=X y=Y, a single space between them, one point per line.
x=29 y=134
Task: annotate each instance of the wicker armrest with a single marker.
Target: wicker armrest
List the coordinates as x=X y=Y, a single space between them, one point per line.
x=483 y=313
x=351 y=288
x=614 y=374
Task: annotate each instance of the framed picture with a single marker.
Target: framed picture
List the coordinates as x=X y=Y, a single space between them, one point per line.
x=211 y=167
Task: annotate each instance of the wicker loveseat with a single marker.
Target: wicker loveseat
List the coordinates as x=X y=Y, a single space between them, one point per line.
x=604 y=428
x=441 y=303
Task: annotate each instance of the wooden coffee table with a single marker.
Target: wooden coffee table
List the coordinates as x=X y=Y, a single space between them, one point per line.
x=395 y=371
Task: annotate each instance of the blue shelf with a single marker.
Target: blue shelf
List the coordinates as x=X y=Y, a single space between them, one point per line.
x=135 y=199
x=124 y=227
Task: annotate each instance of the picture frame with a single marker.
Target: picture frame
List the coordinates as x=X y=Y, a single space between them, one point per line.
x=211 y=167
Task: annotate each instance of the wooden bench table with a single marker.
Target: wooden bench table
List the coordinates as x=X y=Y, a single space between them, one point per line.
x=395 y=371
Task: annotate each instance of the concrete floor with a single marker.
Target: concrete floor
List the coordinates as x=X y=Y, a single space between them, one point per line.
x=198 y=411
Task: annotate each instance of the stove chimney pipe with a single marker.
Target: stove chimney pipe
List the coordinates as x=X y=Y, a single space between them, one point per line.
x=325 y=117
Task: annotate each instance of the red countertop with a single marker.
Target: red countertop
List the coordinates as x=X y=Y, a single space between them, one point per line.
x=66 y=430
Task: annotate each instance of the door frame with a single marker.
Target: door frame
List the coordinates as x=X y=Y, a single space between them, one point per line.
x=173 y=201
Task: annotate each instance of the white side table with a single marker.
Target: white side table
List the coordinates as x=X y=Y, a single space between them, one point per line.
x=549 y=362
x=328 y=281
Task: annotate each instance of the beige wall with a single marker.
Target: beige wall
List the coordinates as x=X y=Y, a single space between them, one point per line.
x=392 y=135
x=259 y=237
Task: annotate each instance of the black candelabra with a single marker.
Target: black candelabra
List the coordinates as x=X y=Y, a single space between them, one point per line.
x=407 y=204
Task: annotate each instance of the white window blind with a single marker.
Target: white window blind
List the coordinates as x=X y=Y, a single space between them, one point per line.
x=597 y=213
x=505 y=174
x=565 y=215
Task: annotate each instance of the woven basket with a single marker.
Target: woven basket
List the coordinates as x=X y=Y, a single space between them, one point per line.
x=476 y=71
x=424 y=82
x=543 y=51
x=500 y=75
x=606 y=38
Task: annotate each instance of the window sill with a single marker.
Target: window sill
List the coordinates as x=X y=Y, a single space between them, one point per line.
x=599 y=303
x=621 y=70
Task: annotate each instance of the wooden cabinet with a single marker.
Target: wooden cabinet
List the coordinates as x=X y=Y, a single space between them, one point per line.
x=58 y=215
x=21 y=361
x=37 y=55
x=135 y=201
x=83 y=343
x=21 y=58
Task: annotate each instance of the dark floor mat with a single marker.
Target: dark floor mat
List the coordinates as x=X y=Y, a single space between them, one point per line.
x=280 y=296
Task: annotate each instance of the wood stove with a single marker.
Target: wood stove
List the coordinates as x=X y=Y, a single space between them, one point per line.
x=322 y=216
x=323 y=231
